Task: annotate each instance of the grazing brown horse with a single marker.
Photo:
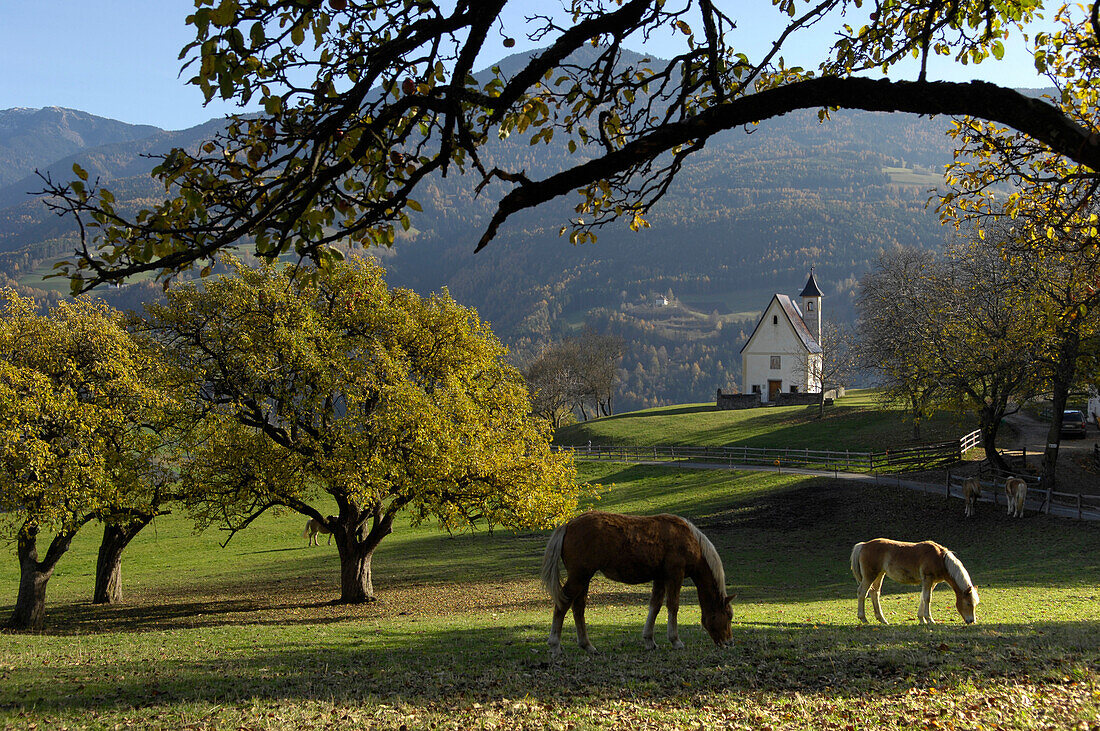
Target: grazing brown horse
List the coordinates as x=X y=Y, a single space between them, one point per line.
x=314 y=526
x=972 y=490
x=924 y=563
x=634 y=549
x=1016 y=494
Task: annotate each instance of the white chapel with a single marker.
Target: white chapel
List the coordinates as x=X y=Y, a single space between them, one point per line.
x=783 y=354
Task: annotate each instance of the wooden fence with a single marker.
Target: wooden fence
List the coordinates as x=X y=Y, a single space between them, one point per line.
x=1041 y=500
x=922 y=456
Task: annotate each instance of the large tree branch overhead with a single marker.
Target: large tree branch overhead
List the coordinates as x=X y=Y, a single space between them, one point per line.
x=367 y=101
x=1033 y=117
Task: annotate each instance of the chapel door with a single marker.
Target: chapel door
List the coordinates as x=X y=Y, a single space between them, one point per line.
x=774 y=388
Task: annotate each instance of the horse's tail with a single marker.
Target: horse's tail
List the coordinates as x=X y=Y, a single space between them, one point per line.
x=305 y=533
x=856 y=572
x=551 y=568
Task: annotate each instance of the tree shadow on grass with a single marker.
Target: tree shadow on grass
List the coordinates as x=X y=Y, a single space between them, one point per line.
x=784 y=545
x=83 y=618
x=451 y=668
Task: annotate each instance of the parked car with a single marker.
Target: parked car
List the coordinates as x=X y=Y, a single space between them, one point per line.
x=1073 y=424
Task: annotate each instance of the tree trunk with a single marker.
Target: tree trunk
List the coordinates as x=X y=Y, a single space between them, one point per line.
x=108 y=568
x=916 y=410
x=30 y=604
x=1065 y=368
x=990 y=423
x=356 y=551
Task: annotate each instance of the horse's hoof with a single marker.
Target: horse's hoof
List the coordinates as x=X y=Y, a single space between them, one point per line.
x=591 y=650
x=678 y=645
x=650 y=645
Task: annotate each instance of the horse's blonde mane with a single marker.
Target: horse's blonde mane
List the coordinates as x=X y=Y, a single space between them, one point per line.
x=710 y=553
x=958 y=573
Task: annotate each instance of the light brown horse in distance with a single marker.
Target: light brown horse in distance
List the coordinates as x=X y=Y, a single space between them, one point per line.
x=1016 y=494
x=314 y=526
x=972 y=490
x=664 y=549
x=926 y=563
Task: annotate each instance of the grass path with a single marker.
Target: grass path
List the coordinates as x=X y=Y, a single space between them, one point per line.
x=243 y=637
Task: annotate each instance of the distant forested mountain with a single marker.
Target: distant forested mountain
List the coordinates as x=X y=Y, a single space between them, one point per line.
x=32 y=138
x=748 y=216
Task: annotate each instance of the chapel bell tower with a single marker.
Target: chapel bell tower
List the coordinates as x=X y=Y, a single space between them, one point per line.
x=811 y=306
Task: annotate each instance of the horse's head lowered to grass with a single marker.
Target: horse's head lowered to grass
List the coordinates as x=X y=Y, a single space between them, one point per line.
x=966 y=595
x=719 y=622
x=710 y=581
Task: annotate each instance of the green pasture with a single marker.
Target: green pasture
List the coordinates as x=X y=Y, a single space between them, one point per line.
x=857 y=422
x=926 y=178
x=245 y=637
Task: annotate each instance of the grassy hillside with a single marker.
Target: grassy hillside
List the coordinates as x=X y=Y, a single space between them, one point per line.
x=856 y=422
x=245 y=637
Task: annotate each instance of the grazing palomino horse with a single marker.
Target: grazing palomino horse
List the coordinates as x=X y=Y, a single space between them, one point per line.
x=634 y=549
x=924 y=563
x=314 y=526
x=1016 y=493
x=972 y=490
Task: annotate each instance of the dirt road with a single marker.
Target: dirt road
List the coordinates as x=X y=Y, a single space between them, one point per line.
x=1076 y=472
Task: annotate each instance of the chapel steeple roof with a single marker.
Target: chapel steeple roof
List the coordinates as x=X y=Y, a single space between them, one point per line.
x=811 y=289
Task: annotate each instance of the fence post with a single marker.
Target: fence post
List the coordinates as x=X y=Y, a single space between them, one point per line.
x=947 y=485
x=1078 y=506
x=1050 y=496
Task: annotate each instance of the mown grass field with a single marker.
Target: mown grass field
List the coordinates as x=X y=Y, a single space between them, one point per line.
x=857 y=422
x=244 y=637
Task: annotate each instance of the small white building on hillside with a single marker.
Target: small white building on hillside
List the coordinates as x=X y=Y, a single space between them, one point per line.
x=783 y=354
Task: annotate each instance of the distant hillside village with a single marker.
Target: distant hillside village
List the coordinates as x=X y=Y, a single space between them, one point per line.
x=781 y=363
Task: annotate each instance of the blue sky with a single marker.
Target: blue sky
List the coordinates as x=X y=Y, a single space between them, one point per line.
x=118 y=58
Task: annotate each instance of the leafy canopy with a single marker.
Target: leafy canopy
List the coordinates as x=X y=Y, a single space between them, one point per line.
x=334 y=383
x=76 y=398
